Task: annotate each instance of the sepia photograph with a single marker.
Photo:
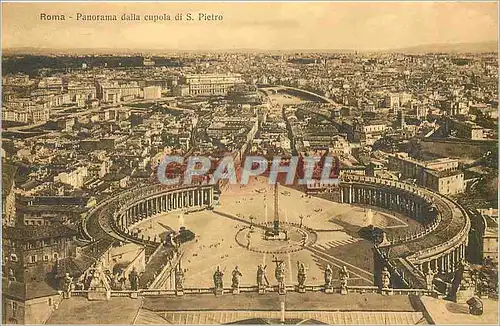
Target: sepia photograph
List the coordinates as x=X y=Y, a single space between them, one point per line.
x=249 y=162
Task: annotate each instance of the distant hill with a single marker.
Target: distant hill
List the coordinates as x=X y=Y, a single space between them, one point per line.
x=76 y=51
x=126 y=51
x=480 y=47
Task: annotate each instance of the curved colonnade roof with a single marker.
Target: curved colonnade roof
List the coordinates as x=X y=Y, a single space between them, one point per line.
x=97 y=222
x=453 y=221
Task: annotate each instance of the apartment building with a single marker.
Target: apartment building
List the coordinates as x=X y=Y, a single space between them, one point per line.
x=441 y=175
x=210 y=84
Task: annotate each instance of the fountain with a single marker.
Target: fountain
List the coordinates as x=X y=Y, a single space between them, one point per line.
x=368 y=216
x=181 y=220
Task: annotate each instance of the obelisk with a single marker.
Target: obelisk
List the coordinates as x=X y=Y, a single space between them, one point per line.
x=276 y=228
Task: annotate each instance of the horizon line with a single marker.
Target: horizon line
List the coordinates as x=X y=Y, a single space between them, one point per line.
x=130 y=49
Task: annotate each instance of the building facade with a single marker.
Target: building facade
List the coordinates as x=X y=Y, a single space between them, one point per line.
x=213 y=84
x=152 y=92
x=8 y=195
x=441 y=175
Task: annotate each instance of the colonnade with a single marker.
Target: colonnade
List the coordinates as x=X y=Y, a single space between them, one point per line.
x=385 y=197
x=165 y=202
x=446 y=262
x=414 y=205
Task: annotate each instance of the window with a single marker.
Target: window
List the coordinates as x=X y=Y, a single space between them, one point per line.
x=13 y=257
x=55 y=255
x=46 y=258
x=14 y=307
x=50 y=301
x=33 y=259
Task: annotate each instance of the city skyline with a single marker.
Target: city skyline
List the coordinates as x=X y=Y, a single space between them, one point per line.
x=250 y=163
x=259 y=26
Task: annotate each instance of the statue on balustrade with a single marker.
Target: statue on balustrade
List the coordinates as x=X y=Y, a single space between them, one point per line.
x=236 y=278
x=67 y=285
x=87 y=277
x=467 y=281
x=429 y=279
x=262 y=280
x=121 y=281
x=344 y=277
x=99 y=288
x=480 y=281
x=457 y=281
x=96 y=282
x=463 y=286
x=179 y=278
x=113 y=281
x=218 y=279
x=108 y=276
x=280 y=272
x=133 y=277
x=386 y=278
x=79 y=285
x=328 y=276
x=301 y=274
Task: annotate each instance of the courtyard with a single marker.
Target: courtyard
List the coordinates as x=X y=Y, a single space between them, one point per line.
x=249 y=210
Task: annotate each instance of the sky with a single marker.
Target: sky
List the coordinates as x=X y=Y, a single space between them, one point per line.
x=245 y=25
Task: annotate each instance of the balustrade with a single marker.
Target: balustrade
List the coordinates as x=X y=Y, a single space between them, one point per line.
x=255 y=289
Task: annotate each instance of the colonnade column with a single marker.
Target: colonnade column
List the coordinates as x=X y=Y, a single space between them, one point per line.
x=210 y=195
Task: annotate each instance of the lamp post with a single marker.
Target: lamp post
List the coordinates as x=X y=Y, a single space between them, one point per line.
x=302 y=217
